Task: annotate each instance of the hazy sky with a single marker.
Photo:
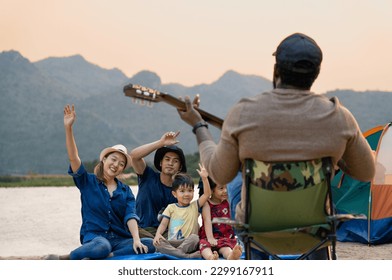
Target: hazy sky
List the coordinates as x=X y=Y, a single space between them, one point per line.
x=193 y=42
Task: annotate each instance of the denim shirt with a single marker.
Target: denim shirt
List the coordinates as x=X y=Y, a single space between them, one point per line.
x=102 y=214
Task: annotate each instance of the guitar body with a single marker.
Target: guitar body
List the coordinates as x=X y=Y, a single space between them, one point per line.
x=142 y=93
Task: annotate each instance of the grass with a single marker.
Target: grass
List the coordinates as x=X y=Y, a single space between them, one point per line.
x=44 y=180
x=61 y=180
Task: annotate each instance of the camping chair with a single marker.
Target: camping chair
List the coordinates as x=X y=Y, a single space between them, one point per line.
x=289 y=209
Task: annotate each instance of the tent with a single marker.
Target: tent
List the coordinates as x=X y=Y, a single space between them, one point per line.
x=374 y=199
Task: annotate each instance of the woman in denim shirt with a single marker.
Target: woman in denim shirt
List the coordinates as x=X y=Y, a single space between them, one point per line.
x=109 y=221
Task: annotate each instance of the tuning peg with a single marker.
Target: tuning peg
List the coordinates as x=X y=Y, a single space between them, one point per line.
x=150 y=104
x=134 y=100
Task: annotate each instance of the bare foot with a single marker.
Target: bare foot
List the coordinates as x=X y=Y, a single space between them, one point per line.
x=194 y=255
x=55 y=257
x=236 y=253
x=214 y=256
x=51 y=257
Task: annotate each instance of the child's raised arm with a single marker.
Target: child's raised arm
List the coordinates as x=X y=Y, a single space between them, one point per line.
x=206 y=185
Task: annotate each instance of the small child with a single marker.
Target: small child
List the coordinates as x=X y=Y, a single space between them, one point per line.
x=181 y=218
x=217 y=239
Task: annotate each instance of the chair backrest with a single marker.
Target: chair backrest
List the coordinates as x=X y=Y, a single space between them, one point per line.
x=284 y=195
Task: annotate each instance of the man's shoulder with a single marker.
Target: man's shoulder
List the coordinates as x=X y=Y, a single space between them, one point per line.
x=333 y=99
x=252 y=98
x=252 y=101
x=339 y=106
x=149 y=172
x=149 y=177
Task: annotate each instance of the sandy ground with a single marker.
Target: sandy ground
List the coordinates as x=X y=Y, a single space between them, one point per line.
x=36 y=221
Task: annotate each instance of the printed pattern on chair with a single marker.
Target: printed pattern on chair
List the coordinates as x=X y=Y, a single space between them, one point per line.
x=287 y=176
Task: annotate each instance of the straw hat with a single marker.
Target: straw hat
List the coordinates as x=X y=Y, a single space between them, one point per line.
x=117 y=148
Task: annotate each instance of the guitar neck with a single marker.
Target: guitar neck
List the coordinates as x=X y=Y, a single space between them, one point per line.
x=179 y=104
x=154 y=96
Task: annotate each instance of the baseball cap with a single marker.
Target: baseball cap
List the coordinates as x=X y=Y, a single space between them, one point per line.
x=298 y=53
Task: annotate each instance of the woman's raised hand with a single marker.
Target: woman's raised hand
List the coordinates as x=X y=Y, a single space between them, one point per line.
x=69 y=115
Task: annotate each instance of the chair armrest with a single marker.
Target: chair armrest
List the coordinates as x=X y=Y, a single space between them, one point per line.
x=346 y=217
x=228 y=221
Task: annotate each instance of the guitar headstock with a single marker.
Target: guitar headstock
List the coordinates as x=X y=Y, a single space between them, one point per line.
x=141 y=94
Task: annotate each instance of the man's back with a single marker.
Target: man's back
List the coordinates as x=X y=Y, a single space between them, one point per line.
x=286 y=124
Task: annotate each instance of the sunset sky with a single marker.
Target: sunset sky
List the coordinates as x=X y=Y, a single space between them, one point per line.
x=193 y=42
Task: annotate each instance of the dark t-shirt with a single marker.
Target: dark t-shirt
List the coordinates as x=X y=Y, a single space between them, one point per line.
x=152 y=196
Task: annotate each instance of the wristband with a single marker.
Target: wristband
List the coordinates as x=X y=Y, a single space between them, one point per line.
x=198 y=125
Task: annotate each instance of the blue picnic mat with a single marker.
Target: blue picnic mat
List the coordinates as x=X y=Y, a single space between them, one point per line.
x=150 y=256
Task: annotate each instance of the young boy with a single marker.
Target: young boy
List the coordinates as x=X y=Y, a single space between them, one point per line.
x=181 y=218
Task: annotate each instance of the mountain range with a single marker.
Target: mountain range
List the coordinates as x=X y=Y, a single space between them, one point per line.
x=33 y=95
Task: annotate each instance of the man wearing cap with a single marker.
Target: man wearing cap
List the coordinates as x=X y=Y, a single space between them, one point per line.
x=154 y=192
x=288 y=123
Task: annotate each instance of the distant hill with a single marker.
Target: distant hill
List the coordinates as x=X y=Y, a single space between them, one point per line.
x=78 y=76
x=32 y=97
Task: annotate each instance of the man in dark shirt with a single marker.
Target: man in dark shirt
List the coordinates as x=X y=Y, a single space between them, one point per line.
x=155 y=192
